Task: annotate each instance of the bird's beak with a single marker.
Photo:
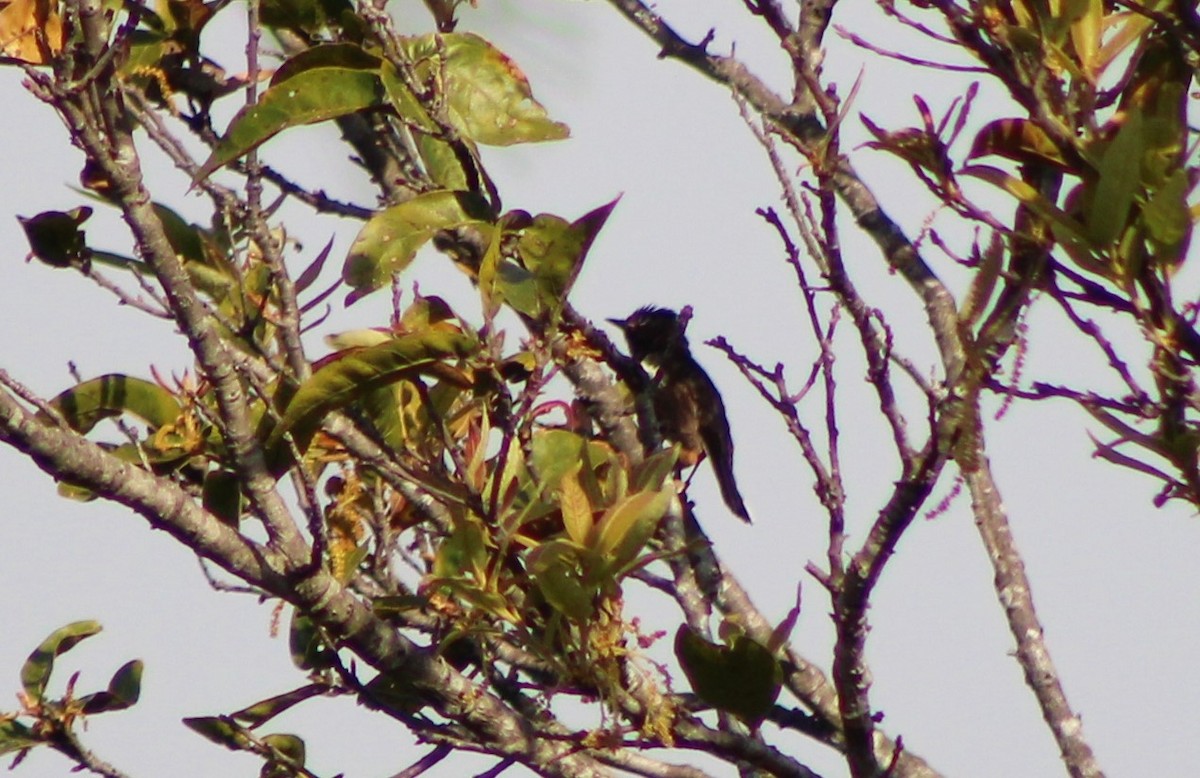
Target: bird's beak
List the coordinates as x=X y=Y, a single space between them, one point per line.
x=622 y=323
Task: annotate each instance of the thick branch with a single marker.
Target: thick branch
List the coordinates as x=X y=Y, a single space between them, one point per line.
x=68 y=456
x=1013 y=591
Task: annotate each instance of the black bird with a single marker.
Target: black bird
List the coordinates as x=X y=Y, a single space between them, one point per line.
x=688 y=406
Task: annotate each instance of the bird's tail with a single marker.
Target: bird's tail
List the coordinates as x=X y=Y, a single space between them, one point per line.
x=733 y=498
x=720 y=453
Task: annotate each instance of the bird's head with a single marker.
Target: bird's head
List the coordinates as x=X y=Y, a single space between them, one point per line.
x=652 y=332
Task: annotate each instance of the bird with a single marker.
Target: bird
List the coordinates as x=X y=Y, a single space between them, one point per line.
x=686 y=402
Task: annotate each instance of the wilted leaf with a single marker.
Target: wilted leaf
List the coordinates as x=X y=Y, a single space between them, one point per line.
x=35 y=673
x=916 y=146
x=1020 y=140
x=31 y=31
x=742 y=679
x=311 y=96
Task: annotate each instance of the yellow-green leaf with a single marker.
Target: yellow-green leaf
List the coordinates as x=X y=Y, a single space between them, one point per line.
x=576 y=508
x=489 y=98
x=628 y=525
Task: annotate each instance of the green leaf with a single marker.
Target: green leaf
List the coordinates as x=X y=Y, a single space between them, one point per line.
x=55 y=237
x=222 y=496
x=186 y=239
x=404 y=101
x=395 y=692
x=1120 y=172
x=389 y=241
x=463 y=554
x=398 y=603
x=1066 y=229
x=86 y=404
x=356 y=372
x=221 y=730
x=488 y=97
x=123 y=690
x=655 y=469
x=555 y=567
x=442 y=163
x=261 y=712
x=556 y=452
x=742 y=679
x=518 y=287
x=1166 y=216
x=15 y=736
x=35 y=673
x=327 y=55
x=551 y=252
x=289 y=747
x=311 y=96
x=307 y=645
x=783 y=631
